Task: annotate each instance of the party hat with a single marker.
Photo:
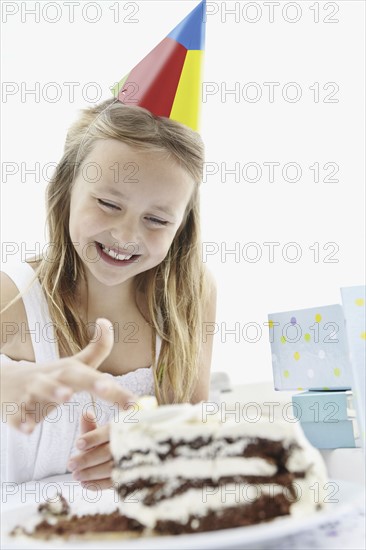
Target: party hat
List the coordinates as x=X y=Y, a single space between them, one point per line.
x=167 y=81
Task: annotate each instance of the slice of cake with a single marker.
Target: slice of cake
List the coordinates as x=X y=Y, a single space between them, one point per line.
x=179 y=470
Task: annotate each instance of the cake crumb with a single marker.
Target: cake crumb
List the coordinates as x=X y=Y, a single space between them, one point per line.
x=195 y=523
x=58 y=506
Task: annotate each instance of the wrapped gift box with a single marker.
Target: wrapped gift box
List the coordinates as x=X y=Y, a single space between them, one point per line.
x=353 y=299
x=309 y=349
x=328 y=407
x=324 y=349
x=327 y=418
x=323 y=435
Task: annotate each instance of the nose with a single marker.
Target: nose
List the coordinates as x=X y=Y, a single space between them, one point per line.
x=126 y=236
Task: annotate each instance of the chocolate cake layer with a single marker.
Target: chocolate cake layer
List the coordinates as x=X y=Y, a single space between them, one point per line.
x=254 y=447
x=264 y=509
x=87 y=524
x=155 y=490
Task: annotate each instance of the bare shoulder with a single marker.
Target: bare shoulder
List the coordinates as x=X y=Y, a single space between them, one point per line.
x=12 y=318
x=8 y=291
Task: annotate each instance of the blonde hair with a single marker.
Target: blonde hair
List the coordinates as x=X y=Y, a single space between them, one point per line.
x=175 y=289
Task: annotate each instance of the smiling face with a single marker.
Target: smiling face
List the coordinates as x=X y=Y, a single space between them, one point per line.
x=128 y=200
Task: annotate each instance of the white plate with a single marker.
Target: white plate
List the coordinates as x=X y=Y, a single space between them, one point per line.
x=346 y=495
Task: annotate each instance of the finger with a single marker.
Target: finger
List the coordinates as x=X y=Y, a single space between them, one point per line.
x=100 y=346
x=88 y=422
x=94 y=438
x=90 y=458
x=48 y=390
x=108 y=389
x=39 y=402
x=80 y=377
x=101 y=471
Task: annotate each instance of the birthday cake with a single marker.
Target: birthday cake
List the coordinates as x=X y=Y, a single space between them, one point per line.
x=179 y=469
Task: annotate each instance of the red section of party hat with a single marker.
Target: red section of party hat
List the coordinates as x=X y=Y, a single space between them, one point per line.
x=153 y=83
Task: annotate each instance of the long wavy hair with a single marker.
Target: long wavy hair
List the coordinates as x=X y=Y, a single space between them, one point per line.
x=175 y=290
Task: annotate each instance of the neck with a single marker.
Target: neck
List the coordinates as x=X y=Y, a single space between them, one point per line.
x=98 y=300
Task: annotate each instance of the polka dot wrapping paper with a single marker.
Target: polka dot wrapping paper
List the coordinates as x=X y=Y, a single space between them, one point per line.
x=310 y=349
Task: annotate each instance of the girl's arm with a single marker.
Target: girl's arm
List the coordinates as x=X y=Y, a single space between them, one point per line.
x=26 y=385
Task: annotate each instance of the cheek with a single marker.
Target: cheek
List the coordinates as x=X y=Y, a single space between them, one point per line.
x=84 y=221
x=159 y=243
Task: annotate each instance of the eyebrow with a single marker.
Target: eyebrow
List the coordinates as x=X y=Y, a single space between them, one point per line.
x=119 y=194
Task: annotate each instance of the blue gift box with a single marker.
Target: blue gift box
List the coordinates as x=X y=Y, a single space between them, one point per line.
x=324 y=435
x=327 y=418
x=325 y=406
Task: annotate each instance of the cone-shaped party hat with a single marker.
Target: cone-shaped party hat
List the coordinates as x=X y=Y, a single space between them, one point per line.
x=167 y=81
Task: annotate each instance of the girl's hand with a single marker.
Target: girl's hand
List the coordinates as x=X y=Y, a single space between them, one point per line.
x=29 y=391
x=93 y=466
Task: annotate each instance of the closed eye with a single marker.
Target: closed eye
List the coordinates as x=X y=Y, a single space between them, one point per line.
x=156 y=221
x=107 y=204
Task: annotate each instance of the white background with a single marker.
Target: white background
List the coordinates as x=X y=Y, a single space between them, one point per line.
x=302 y=132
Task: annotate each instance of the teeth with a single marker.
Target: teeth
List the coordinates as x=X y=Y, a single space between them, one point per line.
x=114 y=254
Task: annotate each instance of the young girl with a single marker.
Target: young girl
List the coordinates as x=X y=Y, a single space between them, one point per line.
x=123 y=219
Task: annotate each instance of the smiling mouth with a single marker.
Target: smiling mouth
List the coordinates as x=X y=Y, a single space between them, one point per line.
x=117 y=258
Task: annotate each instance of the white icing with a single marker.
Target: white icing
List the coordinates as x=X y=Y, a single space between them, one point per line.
x=196 y=469
x=146 y=429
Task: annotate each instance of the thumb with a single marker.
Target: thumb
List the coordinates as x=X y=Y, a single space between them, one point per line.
x=88 y=422
x=100 y=346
